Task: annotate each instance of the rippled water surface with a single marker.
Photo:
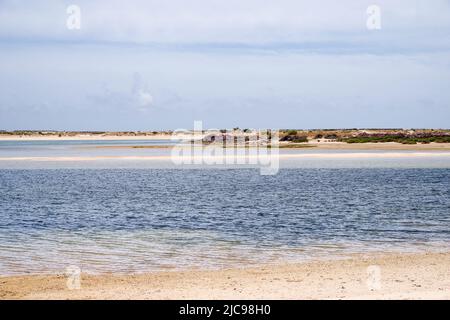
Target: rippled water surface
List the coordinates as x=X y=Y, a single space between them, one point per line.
x=136 y=220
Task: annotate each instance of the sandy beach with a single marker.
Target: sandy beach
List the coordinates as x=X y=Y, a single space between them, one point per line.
x=246 y=150
x=393 y=276
x=400 y=276
x=394 y=146
x=386 y=146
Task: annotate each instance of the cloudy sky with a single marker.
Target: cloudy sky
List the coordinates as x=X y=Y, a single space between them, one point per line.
x=161 y=64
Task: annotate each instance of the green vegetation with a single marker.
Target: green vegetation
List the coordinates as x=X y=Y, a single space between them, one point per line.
x=398 y=139
x=300 y=139
x=292 y=133
x=19 y=132
x=295 y=146
x=295 y=138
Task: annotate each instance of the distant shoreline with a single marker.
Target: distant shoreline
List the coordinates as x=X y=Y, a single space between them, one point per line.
x=83 y=137
x=312 y=145
x=369 y=139
x=389 y=276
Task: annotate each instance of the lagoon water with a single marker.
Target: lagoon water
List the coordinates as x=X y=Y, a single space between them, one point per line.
x=137 y=219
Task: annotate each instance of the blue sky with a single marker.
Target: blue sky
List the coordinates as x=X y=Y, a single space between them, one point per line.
x=144 y=65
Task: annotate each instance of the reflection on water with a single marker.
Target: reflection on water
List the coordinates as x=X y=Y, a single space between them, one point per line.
x=136 y=220
x=88 y=148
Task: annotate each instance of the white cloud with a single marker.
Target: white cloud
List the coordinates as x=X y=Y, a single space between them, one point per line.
x=225 y=90
x=227 y=21
x=89 y=75
x=145 y=99
x=140 y=92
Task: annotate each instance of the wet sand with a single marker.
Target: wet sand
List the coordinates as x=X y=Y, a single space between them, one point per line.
x=394 y=276
x=387 y=146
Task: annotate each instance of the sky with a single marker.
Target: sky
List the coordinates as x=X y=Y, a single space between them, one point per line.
x=162 y=64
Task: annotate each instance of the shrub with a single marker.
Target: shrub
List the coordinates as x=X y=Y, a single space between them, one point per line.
x=300 y=139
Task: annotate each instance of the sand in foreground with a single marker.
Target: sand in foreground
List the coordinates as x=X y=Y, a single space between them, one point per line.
x=406 y=276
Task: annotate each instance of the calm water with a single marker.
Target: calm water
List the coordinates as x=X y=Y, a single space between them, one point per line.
x=139 y=220
x=143 y=219
x=69 y=148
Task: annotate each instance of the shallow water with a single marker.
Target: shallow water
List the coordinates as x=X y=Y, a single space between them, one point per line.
x=137 y=220
x=112 y=154
x=136 y=216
